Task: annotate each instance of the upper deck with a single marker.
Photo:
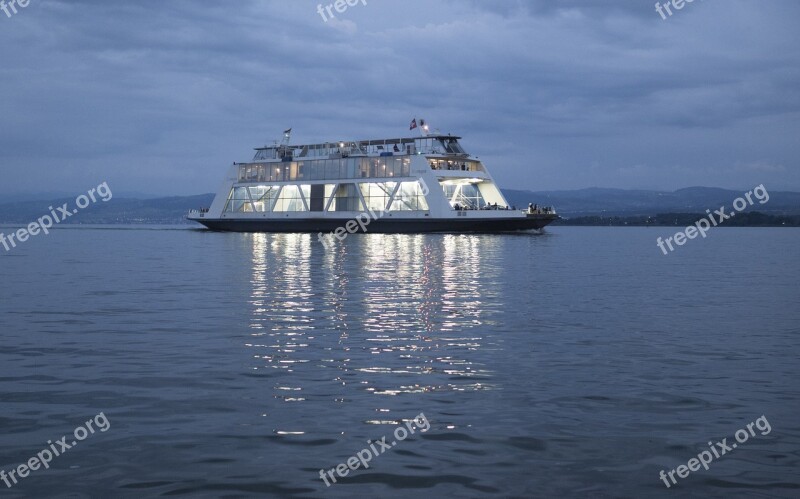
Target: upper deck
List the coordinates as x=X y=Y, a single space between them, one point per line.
x=362 y=159
x=430 y=145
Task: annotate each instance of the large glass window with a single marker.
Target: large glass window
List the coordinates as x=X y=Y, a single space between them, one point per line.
x=275 y=172
x=347 y=199
x=293 y=170
x=465 y=195
x=313 y=170
x=238 y=201
x=291 y=198
x=329 y=190
x=264 y=197
x=350 y=168
x=248 y=173
x=377 y=167
x=398 y=167
x=363 y=170
x=377 y=194
x=332 y=169
x=409 y=197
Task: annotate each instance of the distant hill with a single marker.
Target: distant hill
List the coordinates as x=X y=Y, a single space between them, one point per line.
x=118 y=210
x=593 y=206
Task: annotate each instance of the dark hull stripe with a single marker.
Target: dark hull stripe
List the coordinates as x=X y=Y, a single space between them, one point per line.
x=381 y=225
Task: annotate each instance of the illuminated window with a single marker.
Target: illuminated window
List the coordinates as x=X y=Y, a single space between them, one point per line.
x=377 y=194
x=347 y=199
x=409 y=197
x=291 y=198
x=263 y=197
x=238 y=201
x=465 y=195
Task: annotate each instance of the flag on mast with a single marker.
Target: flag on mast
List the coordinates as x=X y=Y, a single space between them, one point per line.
x=413 y=124
x=423 y=127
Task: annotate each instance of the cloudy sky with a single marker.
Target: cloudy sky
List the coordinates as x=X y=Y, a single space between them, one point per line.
x=160 y=96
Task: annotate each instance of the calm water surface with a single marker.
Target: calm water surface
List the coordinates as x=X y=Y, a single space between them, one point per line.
x=579 y=363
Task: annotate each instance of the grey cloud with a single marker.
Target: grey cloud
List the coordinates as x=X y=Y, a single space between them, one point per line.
x=160 y=96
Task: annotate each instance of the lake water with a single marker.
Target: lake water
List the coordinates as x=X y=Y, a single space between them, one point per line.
x=580 y=362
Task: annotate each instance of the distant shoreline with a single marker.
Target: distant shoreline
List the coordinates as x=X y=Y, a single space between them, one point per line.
x=745 y=219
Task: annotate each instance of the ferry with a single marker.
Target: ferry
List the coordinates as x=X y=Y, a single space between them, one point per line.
x=404 y=185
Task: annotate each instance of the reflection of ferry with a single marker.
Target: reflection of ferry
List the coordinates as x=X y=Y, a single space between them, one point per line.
x=421 y=184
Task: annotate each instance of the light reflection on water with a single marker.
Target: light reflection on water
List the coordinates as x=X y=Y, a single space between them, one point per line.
x=412 y=325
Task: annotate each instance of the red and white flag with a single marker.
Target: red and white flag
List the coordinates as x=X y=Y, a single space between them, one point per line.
x=413 y=124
